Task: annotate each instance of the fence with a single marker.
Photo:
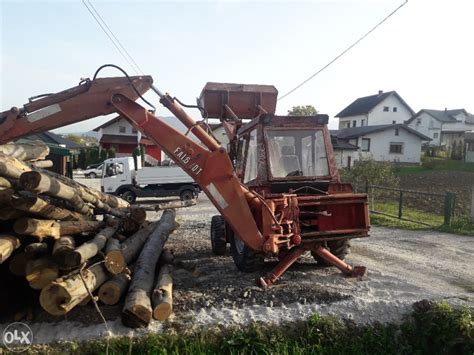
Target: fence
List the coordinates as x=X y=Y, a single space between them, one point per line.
x=427 y=208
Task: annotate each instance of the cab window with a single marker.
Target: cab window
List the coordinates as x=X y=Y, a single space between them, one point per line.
x=251 y=158
x=113 y=169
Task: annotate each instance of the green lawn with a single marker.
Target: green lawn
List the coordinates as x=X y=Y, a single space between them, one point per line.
x=432 y=328
x=436 y=164
x=409 y=213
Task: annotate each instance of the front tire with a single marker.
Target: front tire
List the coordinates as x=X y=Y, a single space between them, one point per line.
x=92 y=176
x=218 y=238
x=245 y=258
x=339 y=248
x=129 y=196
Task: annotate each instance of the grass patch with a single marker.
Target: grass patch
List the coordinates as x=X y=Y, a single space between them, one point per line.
x=436 y=164
x=433 y=219
x=432 y=328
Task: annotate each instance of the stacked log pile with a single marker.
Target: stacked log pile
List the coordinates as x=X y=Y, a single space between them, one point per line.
x=70 y=242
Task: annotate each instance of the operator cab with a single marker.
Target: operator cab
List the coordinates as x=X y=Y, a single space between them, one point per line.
x=278 y=153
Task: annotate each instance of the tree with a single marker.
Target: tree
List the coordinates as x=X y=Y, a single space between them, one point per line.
x=75 y=138
x=308 y=110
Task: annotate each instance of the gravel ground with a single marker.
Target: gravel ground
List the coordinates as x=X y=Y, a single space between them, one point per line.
x=403 y=267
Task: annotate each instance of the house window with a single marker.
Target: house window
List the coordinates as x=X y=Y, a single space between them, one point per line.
x=134 y=131
x=394 y=122
x=470 y=147
x=397 y=132
x=122 y=129
x=365 y=145
x=435 y=135
x=396 y=148
x=418 y=121
x=354 y=123
x=386 y=109
x=362 y=123
x=348 y=124
x=394 y=109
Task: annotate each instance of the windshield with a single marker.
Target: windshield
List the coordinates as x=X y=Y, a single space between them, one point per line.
x=297 y=153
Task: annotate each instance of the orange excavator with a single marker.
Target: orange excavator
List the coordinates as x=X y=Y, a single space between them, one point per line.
x=276 y=186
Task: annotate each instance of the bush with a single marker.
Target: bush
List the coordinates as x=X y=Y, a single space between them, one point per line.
x=368 y=171
x=428 y=163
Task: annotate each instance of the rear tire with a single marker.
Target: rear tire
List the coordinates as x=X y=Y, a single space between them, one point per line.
x=186 y=195
x=339 y=248
x=245 y=258
x=92 y=176
x=129 y=196
x=218 y=238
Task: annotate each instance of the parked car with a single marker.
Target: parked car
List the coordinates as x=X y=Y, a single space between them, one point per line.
x=93 y=171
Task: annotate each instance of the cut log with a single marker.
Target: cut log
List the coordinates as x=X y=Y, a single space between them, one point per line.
x=6 y=196
x=41 y=272
x=114 y=259
x=8 y=213
x=5 y=183
x=36 y=250
x=175 y=204
x=8 y=244
x=37 y=206
x=62 y=295
x=17 y=264
x=42 y=164
x=162 y=296
x=11 y=167
x=61 y=249
x=41 y=228
x=133 y=245
x=137 y=311
x=42 y=183
x=25 y=151
x=113 y=290
x=89 y=249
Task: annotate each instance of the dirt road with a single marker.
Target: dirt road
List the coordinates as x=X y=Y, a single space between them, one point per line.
x=403 y=267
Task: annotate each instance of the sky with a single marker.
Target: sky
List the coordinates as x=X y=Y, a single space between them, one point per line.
x=425 y=51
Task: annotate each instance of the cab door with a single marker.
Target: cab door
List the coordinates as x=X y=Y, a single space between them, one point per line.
x=114 y=175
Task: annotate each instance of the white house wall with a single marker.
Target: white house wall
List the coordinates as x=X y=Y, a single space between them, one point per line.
x=377 y=116
x=342 y=157
x=380 y=146
x=429 y=126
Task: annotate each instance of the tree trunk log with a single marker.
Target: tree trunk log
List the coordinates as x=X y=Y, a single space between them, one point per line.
x=42 y=228
x=8 y=244
x=25 y=151
x=113 y=290
x=42 y=164
x=137 y=311
x=162 y=296
x=62 y=248
x=41 y=272
x=17 y=264
x=5 y=183
x=43 y=184
x=8 y=213
x=12 y=168
x=6 y=196
x=89 y=249
x=36 y=250
x=37 y=206
x=62 y=295
x=114 y=259
x=133 y=245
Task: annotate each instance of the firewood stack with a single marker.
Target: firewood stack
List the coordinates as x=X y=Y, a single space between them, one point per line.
x=70 y=241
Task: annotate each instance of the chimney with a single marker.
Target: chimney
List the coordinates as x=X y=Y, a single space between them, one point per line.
x=380 y=92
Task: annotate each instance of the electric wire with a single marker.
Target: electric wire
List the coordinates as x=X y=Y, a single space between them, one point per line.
x=115 y=37
x=343 y=52
x=110 y=37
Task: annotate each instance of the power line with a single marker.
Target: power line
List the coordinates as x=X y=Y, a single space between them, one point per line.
x=120 y=48
x=115 y=37
x=343 y=52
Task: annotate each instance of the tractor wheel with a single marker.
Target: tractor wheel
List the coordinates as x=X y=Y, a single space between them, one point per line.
x=218 y=239
x=339 y=248
x=245 y=258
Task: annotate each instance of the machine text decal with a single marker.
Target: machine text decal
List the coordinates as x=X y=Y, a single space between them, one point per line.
x=181 y=155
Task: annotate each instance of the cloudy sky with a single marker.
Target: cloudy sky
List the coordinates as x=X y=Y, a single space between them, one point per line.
x=424 y=52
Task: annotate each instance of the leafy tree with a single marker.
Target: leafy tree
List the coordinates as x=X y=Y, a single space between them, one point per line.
x=75 y=138
x=111 y=153
x=308 y=110
x=81 y=160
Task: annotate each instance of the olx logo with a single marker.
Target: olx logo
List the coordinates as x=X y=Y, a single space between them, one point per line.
x=17 y=337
